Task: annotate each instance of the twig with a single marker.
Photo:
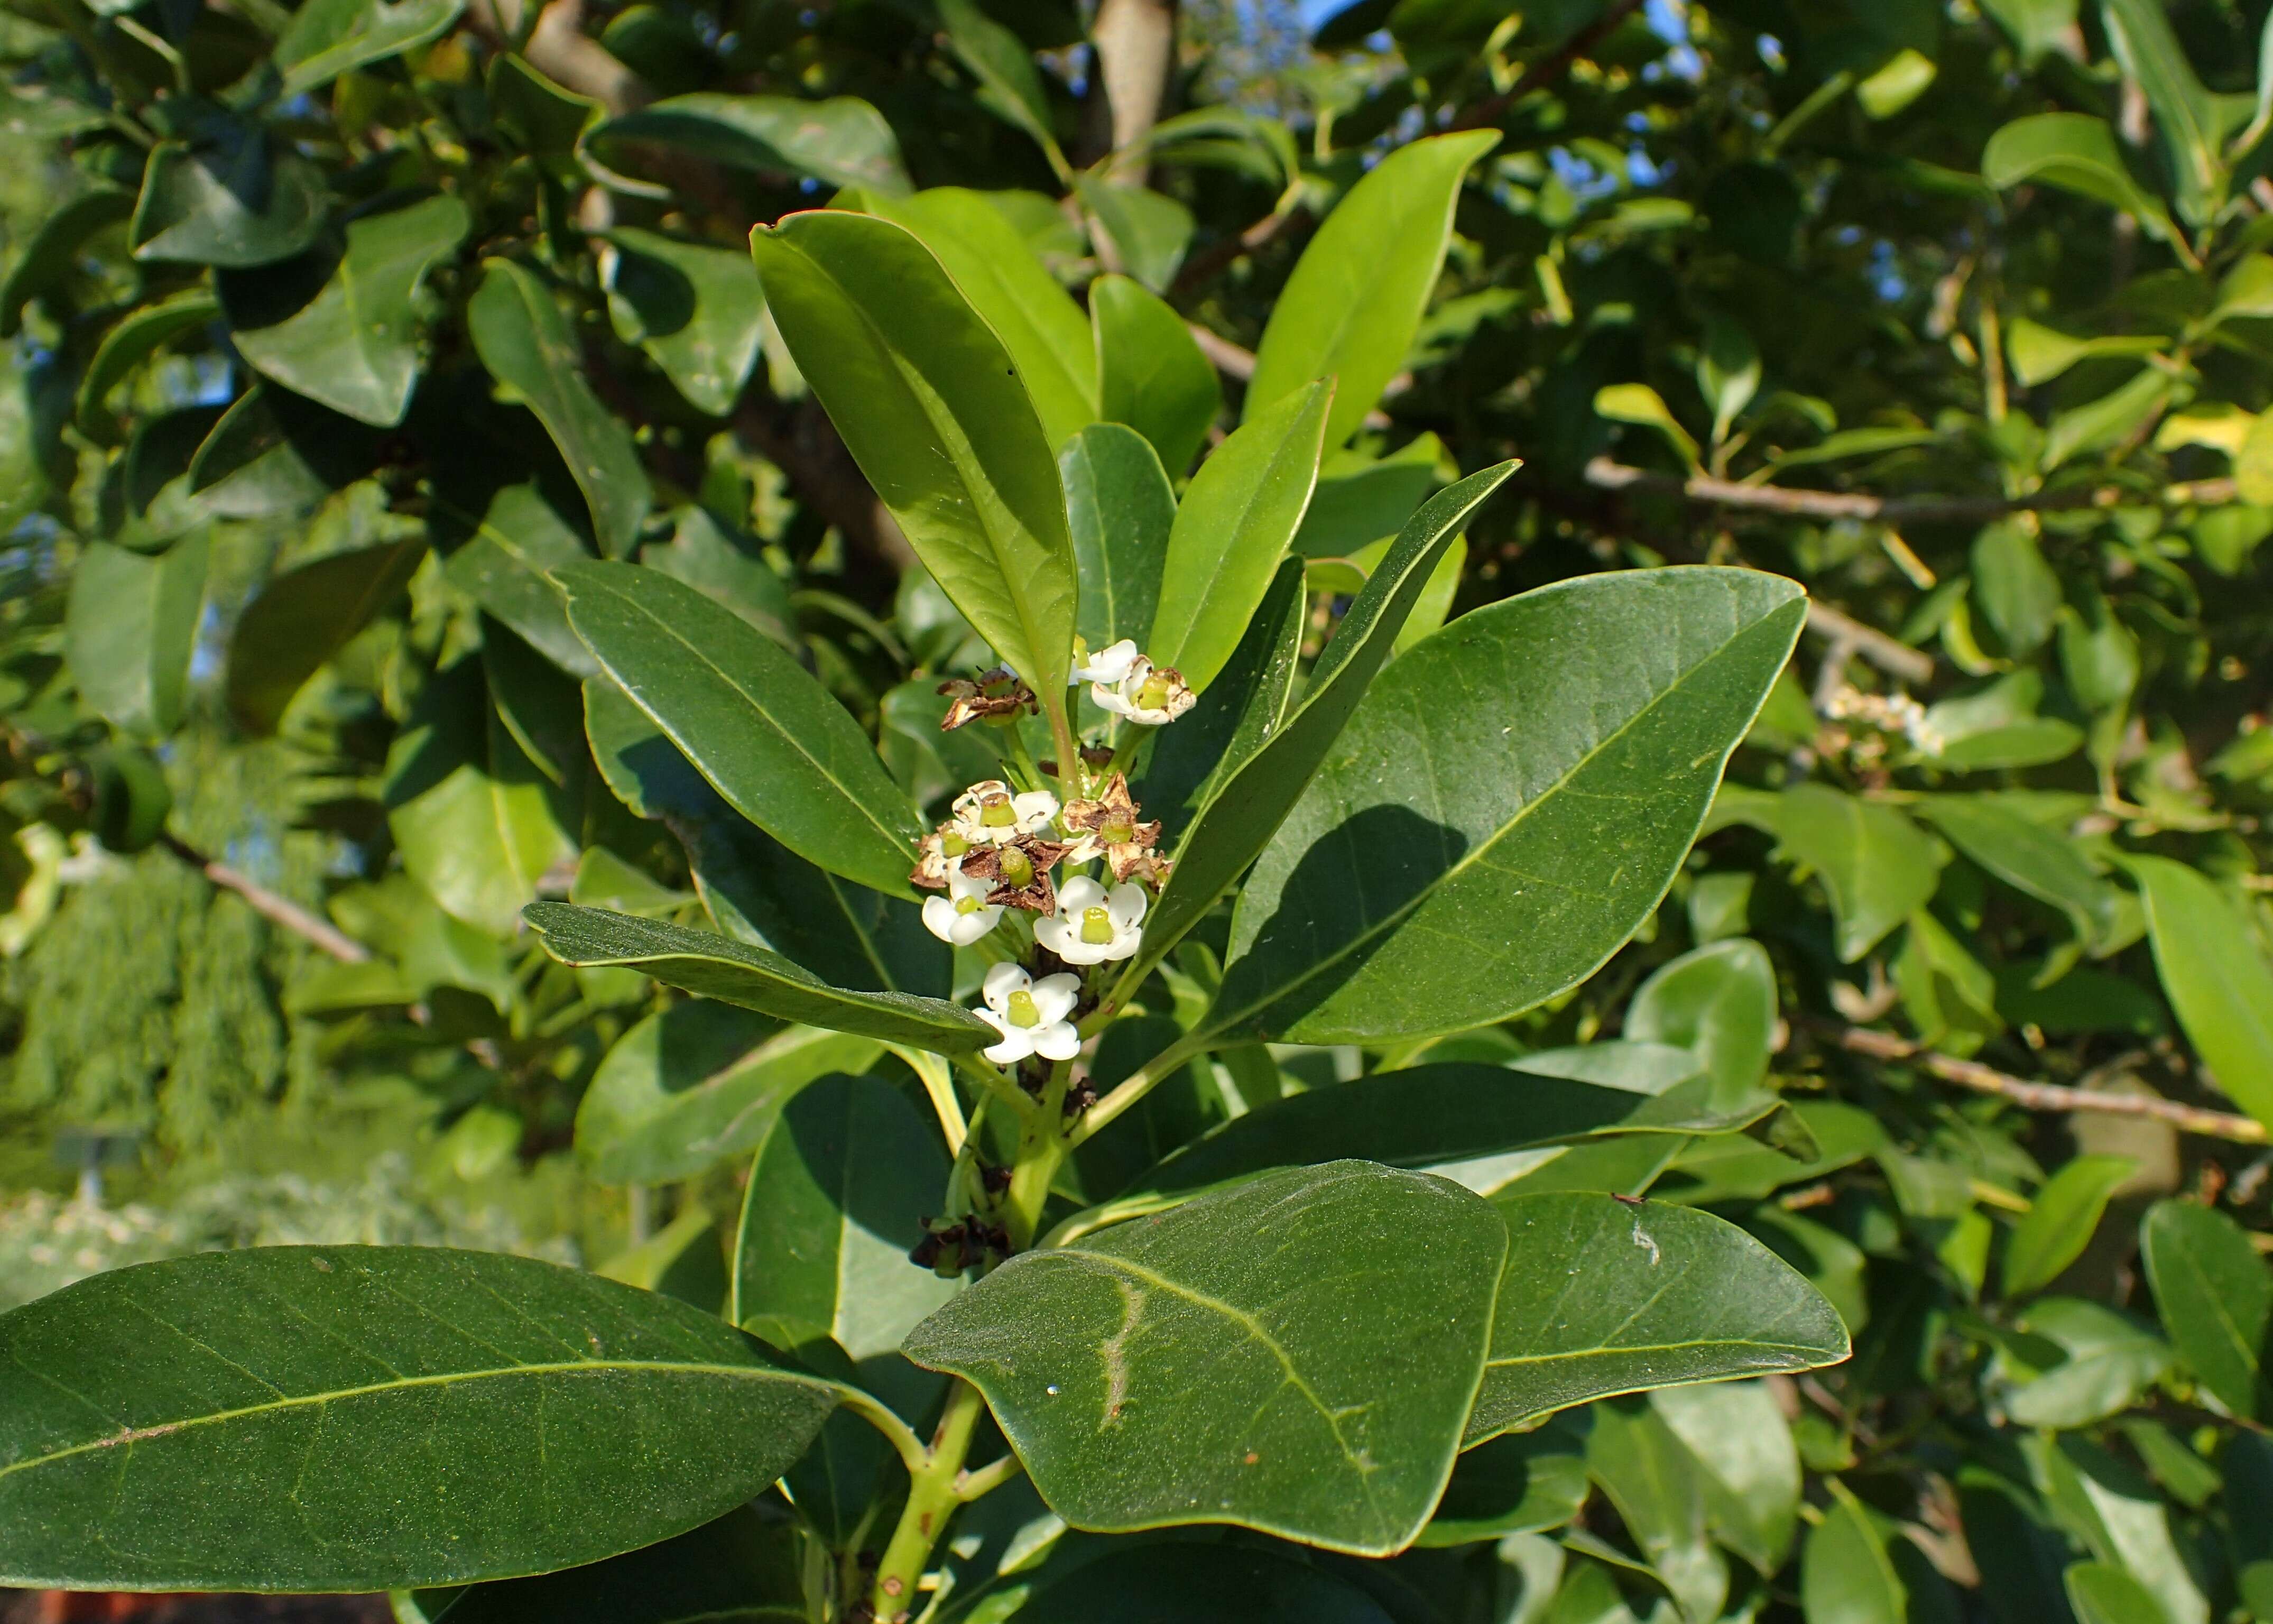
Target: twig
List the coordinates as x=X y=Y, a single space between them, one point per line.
x=1608 y=476
x=1203 y=268
x=1552 y=66
x=2044 y=1096
x=969 y=1486
x=276 y=909
x=1895 y=658
x=1234 y=361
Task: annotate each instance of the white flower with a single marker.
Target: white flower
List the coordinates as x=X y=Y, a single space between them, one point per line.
x=1145 y=696
x=1108 y=665
x=1092 y=924
x=962 y=916
x=987 y=814
x=1031 y=1015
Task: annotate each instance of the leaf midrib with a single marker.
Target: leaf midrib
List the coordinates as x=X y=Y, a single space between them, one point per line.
x=1625 y=1349
x=131 y=1436
x=627 y=601
x=1468 y=859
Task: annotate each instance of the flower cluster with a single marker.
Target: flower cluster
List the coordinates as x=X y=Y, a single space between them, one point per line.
x=1002 y=848
x=1887 y=713
x=1121 y=679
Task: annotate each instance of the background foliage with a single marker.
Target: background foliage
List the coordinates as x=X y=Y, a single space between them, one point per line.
x=335 y=329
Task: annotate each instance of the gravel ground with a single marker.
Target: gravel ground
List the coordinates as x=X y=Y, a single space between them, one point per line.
x=63 y=1607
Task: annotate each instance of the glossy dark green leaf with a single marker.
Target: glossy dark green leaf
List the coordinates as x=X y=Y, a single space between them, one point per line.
x=54 y=251
x=1645 y=1470
x=1247 y=806
x=340 y=327
x=930 y=404
x=1150 y=1376
x=1241 y=711
x=273 y=453
x=1350 y=310
x=2060 y=1220
x=1233 y=526
x=1601 y=1297
x=728 y=570
x=470 y=813
x=1442 y=872
x=505 y=564
x=159 y=454
x=842 y=141
x=697 y=309
x=525 y=341
x=1878 y=865
x=141 y=335
x=1517 y=1483
x=838 y=1192
x=331 y=37
x=693 y=1085
x=2215 y=977
x=1150 y=374
x=303 y=617
x=1719 y=1002
x=237 y=203
x=1013 y=293
x=2216 y=1296
x=2029 y=857
x=130 y=628
x=733 y=972
x=539 y=115
x=780 y=750
x=744 y=1568
x=1120 y=509
x=1194 y=1583
x=433 y=1414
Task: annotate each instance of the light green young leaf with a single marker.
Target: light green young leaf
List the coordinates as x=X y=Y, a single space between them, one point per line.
x=340 y=327
x=524 y=341
x=930 y=404
x=1150 y=374
x=457 y=1401
x=2215 y=977
x=2077 y=153
x=775 y=744
x=698 y=311
x=1747 y=1460
x=331 y=37
x=2216 y=1297
x=1639 y=404
x=841 y=140
x=1350 y=310
x=1149 y=1376
x=2038 y=353
x=1233 y=526
x=130 y=627
x=1121 y=512
x=1728 y=373
x=733 y=972
x=2103 y=1593
x=1719 y=1002
x=1442 y=872
x=2060 y=1222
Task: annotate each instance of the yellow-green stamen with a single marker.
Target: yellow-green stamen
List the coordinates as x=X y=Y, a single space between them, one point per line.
x=1022 y=1013
x=1096 y=927
x=998 y=813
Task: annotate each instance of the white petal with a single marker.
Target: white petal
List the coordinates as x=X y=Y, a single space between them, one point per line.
x=1016 y=1044
x=971 y=926
x=1057 y=936
x=1078 y=894
x=940 y=918
x=1124 y=943
x=1109 y=699
x=1035 y=807
x=1077 y=952
x=1124 y=904
x=1108 y=665
x=1057 y=1040
x=960 y=884
x=1055 y=997
x=1001 y=980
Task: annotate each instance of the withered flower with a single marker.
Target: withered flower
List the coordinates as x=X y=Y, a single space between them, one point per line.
x=1108 y=826
x=1020 y=872
x=991 y=695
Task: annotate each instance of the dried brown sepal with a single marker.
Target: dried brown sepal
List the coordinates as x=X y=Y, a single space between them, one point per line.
x=1031 y=890
x=1109 y=827
x=990 y=696
x=930 y=871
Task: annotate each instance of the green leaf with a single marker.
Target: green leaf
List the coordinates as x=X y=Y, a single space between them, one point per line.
x=2077 y=153
x=233 y=204
x=1354 y=304
x=141 y=335
x=693 y=1085
x=1234 y=524
x=2037 y=25
x=1438 y=1115
x=780 y=750
x=1517 y=1483
x=744 y=1568
x=1639 y=404
x=841 y=140
x=2018 y=592
x=1671 y=1296
x=2215 y=977
x=2103 y=1593
x=1150 y=374
x=2101 y=1363
x=340 y=327
x=2060 y=1222
x=543 y=118
x=303 y=617
x=1747 y=1462
x=2216 y=1298
x=1010 y=84
x=1852 y=1572
x=275 y=453
x=162 y=1425
x=1013 y=293
x=1648 y=1473
x=1150 y=1376
x=1240 y=712
x=331 y=37
x=2030 y=859
x=2039 y=354
x=697 y=311
x=130 y=628
x=526 y=343
x=506 y=561
x=1248 y=802
x=732 y=971
x=930 y=405
x=841 y=1185
x=1879 y=867
x=2186 y=116
x=471 y=814
x=726 y=570
x=2109 y=421
x=52 y=256
x=1146 y=232
x=1441 y=873
x=1719 y=1002
x=1194 y=1584
x=1120 y=509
